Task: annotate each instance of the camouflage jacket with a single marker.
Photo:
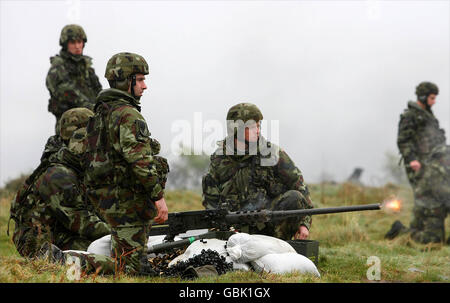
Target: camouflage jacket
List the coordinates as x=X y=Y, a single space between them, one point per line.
x=72 y=82
x=241 y=182
x=119 y=151
x=55 y=202
x=418 y=133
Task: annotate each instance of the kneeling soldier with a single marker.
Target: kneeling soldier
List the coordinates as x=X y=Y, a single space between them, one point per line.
x=244 y=176
x=51 y=206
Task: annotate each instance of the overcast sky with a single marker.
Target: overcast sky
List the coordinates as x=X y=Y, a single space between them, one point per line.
x=336 y=74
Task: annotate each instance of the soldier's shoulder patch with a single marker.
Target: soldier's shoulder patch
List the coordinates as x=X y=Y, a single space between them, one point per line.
x=142 y=132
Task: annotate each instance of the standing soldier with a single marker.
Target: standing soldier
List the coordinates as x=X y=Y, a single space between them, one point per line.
x=71 y=80
x=124 y=177
x=422 y=145
x=241 y=177
x=51 y=206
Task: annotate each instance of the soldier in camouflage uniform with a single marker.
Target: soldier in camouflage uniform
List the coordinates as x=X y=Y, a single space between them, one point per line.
x=241 y=177
x=422 y=145
x=125 y=178
x=71 y=80
x=51 y=205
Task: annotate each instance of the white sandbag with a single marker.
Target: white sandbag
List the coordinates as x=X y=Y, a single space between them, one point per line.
x=244 y=248
x=239 y=266
x=177 y=259
x=196 y=249
x=101 y=246
x=285 y=263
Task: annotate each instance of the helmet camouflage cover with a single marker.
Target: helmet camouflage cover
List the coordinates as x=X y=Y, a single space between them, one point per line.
x=77 y=144
x=426 y=88
x=72 y=32
x=73 y=119
x=244 y=112
x=123 y=65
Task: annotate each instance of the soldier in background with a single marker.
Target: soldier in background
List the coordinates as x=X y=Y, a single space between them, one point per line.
x=51 y=206
x=71 y=80
x=242 y=177
x=422 y=145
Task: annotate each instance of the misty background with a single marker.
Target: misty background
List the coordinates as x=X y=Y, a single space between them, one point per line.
x=336 y=74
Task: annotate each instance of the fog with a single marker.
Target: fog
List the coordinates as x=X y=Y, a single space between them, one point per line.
x=335 y=74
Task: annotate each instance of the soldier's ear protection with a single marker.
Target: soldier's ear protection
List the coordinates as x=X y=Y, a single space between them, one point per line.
x=133 y=84
x=423 y=99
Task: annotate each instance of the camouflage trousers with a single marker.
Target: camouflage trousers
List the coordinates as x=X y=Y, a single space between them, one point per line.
x=127 y=256
x=431 y=187
x=93 y=263
x=29 y=239
x=129 y=251
x=129 y=216
x=286 y=229
x=428 y=223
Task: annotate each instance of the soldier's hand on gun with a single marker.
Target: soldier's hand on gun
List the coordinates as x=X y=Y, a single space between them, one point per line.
x=163 y=212
x=302 y=233
x=415 y=165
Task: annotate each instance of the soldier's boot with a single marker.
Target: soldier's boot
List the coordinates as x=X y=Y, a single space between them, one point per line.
x=433 y=227
x=52 y=253
x=146 y=269
x=397 y=228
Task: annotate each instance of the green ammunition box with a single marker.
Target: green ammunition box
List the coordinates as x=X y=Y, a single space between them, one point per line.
x=307 y=248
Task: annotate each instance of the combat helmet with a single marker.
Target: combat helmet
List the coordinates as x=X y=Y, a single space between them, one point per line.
x=122 y=67
x=244 y=112
x=73 y=119
x=71 y=32
x=424 y=89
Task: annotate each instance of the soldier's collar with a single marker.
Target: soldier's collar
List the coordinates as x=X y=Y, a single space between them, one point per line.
x=112 y=94
x=67 y=158
x=229 y=148
x=77 y=58
x=412 y=104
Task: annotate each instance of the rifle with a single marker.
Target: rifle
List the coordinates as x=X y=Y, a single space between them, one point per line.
x=222 y=221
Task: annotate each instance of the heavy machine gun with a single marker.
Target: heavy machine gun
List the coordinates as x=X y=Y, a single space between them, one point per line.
x=221 y=222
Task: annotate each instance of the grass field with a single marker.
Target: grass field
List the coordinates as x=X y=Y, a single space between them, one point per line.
x=347 y=240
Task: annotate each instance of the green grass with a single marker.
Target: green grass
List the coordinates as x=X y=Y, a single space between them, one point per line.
x=347 y=240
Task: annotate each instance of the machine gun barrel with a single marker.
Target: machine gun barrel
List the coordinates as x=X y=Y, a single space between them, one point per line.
x=221 y=219
x=275 y=215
